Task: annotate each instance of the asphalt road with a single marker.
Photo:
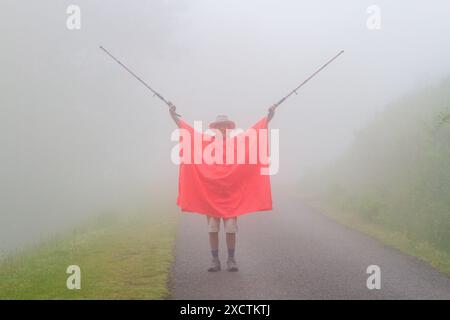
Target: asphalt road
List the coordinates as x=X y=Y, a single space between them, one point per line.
x=297 y=253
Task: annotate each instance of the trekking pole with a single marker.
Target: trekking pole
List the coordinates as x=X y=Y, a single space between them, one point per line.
x=309 y=78
x=138 y=78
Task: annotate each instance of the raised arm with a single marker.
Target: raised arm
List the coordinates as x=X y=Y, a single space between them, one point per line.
x=271 y=112
x=173 y=114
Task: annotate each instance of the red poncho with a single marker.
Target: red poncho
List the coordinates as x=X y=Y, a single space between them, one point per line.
x=224 y=178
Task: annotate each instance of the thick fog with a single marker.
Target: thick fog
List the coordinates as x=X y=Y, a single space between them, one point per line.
x=80 y=136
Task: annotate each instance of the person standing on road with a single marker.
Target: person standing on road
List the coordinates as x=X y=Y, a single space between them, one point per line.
x=223 y=125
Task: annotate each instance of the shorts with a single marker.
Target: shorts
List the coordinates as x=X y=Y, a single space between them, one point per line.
x=229 y=224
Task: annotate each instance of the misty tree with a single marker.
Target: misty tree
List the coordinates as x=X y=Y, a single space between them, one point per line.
x=444 y=117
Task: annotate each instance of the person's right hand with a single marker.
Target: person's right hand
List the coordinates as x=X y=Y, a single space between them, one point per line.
x=173 y=113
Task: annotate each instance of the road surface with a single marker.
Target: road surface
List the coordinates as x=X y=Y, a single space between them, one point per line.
x=296 y=252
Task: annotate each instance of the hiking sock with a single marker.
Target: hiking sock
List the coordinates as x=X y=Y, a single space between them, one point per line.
x=215 y=253
x=231 y=253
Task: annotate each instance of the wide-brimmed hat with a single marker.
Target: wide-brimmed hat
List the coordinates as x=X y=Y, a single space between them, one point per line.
x=222 y=120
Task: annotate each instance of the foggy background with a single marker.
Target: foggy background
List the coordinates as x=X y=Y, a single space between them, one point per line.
x=79 y=136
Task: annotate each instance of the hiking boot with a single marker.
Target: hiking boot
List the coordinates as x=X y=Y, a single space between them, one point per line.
x=215 y=265
x=231 y=265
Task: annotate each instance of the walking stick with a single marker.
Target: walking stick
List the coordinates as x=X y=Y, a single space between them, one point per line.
x=305 y=81
x=138 y=78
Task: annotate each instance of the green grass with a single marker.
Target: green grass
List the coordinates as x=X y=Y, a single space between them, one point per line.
x=120 y=258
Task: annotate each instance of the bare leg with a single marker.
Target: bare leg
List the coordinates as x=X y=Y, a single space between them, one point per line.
x=214 y=240
x=214 y=243
x=231 y=241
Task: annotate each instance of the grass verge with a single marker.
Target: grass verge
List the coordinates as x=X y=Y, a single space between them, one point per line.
x=119 y=258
